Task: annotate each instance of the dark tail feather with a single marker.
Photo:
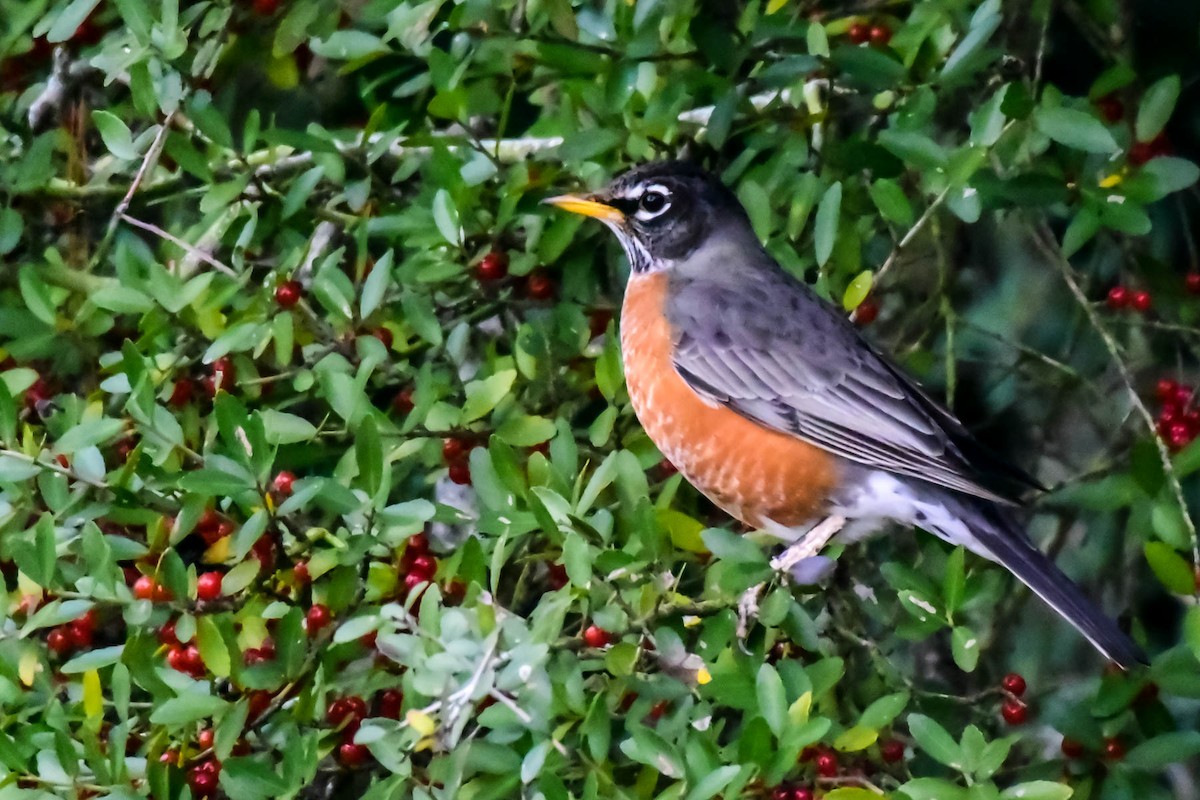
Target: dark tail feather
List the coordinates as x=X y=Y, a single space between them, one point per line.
x=1009 y=545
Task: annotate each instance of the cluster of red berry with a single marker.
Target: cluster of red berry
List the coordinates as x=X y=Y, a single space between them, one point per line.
x=1141 y=152
x=877 y=34
x=417 y=565
x=76 y=634
x=346 y=715
x=181 y=657
x=1121 y=297
x=1178 y=422
x=454 y=452
x=1014 y=710
x=539 y=284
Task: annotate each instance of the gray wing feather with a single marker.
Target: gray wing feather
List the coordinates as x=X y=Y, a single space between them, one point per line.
x=805 y=370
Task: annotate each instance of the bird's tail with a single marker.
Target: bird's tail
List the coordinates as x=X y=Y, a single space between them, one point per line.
x=1006 y=542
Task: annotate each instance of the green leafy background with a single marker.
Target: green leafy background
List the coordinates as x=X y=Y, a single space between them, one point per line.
x=972 y=181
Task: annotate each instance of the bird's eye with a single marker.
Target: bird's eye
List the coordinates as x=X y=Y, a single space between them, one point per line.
x=653 y=202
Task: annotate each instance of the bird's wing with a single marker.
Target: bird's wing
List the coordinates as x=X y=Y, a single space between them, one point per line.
x=769 y=349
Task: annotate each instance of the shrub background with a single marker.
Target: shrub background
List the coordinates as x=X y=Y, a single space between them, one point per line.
x=263 y=260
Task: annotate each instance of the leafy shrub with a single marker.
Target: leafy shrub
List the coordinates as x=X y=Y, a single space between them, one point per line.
x=318 y=473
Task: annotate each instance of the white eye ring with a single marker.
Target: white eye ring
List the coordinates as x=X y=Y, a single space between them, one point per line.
x=647 y=211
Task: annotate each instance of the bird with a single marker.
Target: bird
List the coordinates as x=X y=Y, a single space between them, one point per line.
x=775 y=406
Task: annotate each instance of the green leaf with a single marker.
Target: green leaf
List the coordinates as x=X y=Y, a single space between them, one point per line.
x=1164 y=750
x=713 y=782
x=934 y=740
x=1191 y=630
x=772 y=699
x=11 y=227
x=93 y=659
x=932 y=789
x=1037 y=790
x=70 y=19
x=187 y=708
x=279 y=427
x=1075 y=129
x=1171 y=569
x=368 y=451
x=376 y=285
x=857 y=290
x=882 y=711
x=212 y=646
x=954 y=580
x=964 y=646
x=116 y=135
x=825 y=227
x=445 y=216
x=728 y=546
x=891 y=201
x=1158 y=103
x=484 y=395
x=1084 y=226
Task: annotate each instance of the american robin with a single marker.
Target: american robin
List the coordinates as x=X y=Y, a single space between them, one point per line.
x=770 y=402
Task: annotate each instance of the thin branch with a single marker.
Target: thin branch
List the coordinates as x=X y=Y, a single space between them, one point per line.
x=190 y=249
x=150 y=159
x=1044 y=239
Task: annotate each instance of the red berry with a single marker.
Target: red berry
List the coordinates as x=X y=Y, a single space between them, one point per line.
x=193 y=659
x=424 y=565
x=144 y=588
x=39 y=391
x=390 y=703
x=301 y=574
x=658 y=710
x=182 y=393
x=260 y=701
x=252 y=656
x=827 y=764
x=412 y=580
x=80 y=633
x=802 y=793
x=1114 y=749
x=1147 y=694
x=557 y=576
x=1111 y=108
x=540 y=286
x=859 y=33
x=1183 y=396
x=666 y=469
x=318 y=617
x=223 y=374
x=169 y=757
x=493 y=267
x=892 y=750
x=460 y=473
x=598 y=321
x=1118 y=298
x=265 y=8
x=202 y=781
x=1071 y=748
x=1191 y=282
x=384 y=335
x=177 y=658
x=1178 y=436
x=208 y=586
x=1013 y=682
x=264 y=551
x=204 y=739
x=283 y=482
x=866 y=312
x=880 y=35
x=595 y=636
x=59 y=641
x=166 y=634
x=1014 y=712
x=352 y=755
x=1164 y=390
x=454 y=449
x=417 y=543
x=1140 y=301
x=402 y=403
x=288 y=294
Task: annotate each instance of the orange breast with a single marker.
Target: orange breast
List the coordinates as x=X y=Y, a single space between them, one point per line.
x=752 y=472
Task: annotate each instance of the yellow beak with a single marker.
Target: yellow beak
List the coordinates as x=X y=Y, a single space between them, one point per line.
x=586 y=207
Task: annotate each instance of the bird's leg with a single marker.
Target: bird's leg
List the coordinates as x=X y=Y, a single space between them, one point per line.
x=810 y=544
x=807 y=546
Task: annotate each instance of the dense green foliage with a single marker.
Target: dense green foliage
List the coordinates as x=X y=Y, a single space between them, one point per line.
x=278 y=295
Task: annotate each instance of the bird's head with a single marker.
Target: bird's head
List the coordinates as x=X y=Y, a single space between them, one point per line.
x=661 y=212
